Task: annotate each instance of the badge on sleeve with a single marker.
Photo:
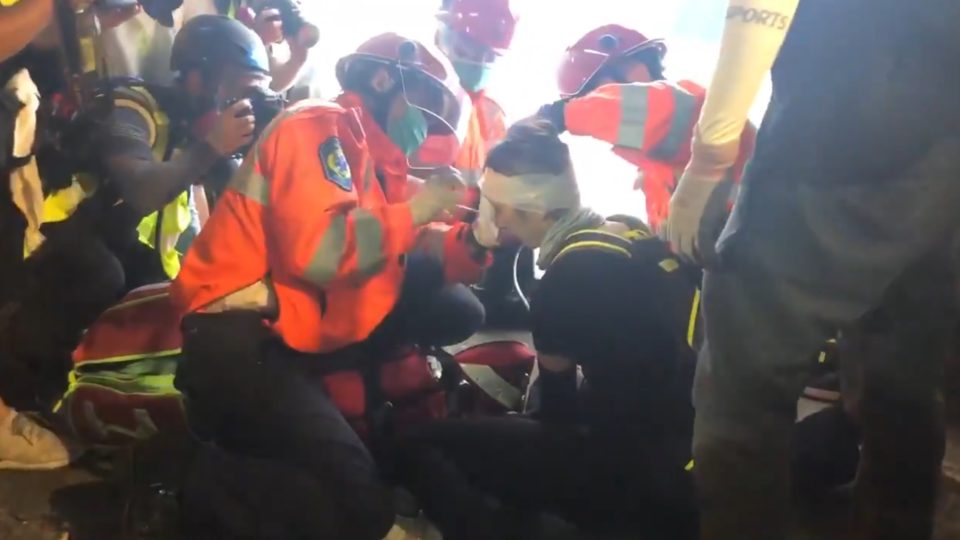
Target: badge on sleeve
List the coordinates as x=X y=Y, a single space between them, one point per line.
x=335 y=164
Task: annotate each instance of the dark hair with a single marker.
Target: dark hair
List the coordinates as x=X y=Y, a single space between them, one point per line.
x=531 y=146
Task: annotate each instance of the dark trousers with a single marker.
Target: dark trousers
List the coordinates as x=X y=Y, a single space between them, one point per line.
x=65 y=285
x=529 y=467
x=802 y=260
x=281 y=461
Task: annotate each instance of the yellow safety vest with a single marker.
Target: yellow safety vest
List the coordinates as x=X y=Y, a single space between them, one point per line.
x=159 y=230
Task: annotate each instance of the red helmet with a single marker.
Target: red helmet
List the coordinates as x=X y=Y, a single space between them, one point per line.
x=426 y=81
x=597 y=49
x=487 y=22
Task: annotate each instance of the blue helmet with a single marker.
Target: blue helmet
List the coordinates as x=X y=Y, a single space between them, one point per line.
x=211 y=41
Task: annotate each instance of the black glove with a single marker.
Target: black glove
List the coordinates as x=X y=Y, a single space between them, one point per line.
x=554 y=113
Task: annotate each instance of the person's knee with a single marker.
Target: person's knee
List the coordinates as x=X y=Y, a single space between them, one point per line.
x=457 y=315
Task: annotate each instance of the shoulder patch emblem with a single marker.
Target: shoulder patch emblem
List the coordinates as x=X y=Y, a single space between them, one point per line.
x=335 y=164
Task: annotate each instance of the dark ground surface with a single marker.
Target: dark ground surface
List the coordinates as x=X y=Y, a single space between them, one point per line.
x=46 y=505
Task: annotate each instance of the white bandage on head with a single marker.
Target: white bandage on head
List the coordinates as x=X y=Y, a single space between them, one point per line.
x=539 y=192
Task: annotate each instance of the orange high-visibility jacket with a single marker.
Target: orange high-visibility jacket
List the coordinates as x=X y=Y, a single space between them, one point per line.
x=307 y=210
x=487 y=127
x=650 y=125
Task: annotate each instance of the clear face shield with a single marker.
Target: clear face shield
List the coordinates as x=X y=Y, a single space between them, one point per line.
x=439 y=113
x=447 y=113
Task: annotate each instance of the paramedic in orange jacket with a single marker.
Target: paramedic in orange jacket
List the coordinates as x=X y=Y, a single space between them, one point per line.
x=612 y=87
x=315 y=261
x=473 y=34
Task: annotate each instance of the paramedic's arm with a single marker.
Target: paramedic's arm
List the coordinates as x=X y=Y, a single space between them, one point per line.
x=463 y=258
x=329 y=240
x=284 y=73
x=20 y=23
x=752 y=36
x=147 y=183
x=638 y=117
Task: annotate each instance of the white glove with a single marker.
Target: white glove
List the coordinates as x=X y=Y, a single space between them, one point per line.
x=485 y=230
x=698 y=208
x=442 y=191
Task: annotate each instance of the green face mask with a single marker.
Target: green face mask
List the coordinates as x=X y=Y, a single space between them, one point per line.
x=473 y=75
x=408 y=130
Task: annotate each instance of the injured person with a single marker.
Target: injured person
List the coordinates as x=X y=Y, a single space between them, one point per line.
x=611 y=457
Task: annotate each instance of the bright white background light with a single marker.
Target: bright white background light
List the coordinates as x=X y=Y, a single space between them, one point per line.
x=524 y=78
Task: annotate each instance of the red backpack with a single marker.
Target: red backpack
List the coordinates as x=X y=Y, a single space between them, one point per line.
x=494 y=377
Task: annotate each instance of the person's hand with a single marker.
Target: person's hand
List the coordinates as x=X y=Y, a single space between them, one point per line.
x=555 y=114
x=698 y=208
x=442 y=191
x=233 y=128
x=697 y=212
x=485 y=230
x=268 y=25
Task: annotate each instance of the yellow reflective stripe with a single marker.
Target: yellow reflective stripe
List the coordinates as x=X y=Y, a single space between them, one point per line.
x=60 y=205
x=132 y=357
x=174 y=221
x=593 y=243
x=368 y=234
x=71 y=387
x=147 y=229
x=140 y=100
x=326 y=261
x=147 y=115
x=634 y=106
x=694 y=317
x=491 y=383
x=669 y=265
x=690 y=466
x=636 y=234
x=8 y=3
x=613 y=236
x=684 y=107
x=823 y=354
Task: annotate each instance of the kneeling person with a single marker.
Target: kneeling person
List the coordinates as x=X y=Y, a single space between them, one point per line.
x=304 y=278
x=612 y=457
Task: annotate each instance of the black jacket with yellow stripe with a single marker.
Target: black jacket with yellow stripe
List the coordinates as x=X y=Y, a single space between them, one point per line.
x=642 y=247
